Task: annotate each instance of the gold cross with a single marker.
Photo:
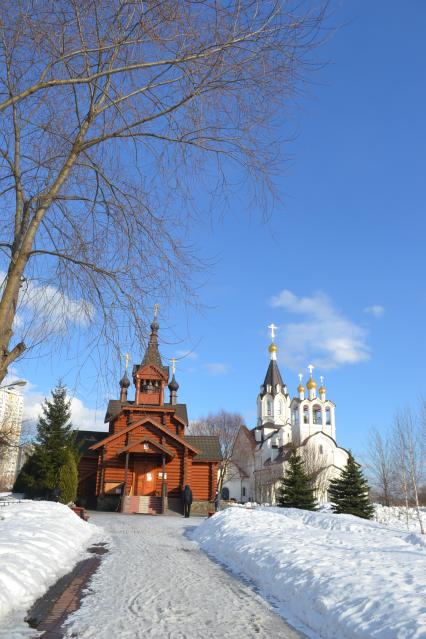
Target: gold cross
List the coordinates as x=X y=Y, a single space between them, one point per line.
x=173 y=365
x=156 y=307
x=126 y=357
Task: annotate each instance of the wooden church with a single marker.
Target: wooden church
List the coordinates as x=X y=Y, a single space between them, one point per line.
x=145 y=459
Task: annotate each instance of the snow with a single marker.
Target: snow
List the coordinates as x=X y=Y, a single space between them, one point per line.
x=330 y=575
x=155 y=583
x=40 y=541
x=399 y=517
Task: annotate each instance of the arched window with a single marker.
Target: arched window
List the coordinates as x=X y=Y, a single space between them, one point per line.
x=328 y=416
x=280 y=407
x=269 y=407
x=305 y=415
x=321 y=450
x=317 y=414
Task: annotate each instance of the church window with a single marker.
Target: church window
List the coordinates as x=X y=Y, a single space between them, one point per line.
x=280 y=407
x=321 y=450
x=328 y=416
x=305 y=415
x=317 y=415
x=269 y=407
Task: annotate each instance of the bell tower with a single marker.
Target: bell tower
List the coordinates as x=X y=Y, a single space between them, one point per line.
x=273 y=401
x=151 y=377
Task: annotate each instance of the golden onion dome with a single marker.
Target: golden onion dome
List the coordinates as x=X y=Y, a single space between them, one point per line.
x=273 y=348
x=311 y=384
x=300 y=388
x=322 y=389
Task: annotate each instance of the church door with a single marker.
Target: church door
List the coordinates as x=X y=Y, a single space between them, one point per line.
x=144 y=478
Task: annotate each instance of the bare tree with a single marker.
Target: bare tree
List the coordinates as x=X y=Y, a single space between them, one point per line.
x=11 y=431
x=316 y=467
x=113 y=111
x=225 y=426
x=410 y=464
x=380 y=465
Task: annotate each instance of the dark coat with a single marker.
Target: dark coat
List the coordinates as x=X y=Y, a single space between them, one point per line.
x=187 y=495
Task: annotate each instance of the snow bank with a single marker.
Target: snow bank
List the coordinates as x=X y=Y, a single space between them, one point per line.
x=40 y=541
x=330 y=575
x=399 y=517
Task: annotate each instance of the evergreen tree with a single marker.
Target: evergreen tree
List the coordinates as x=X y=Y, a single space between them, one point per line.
x=68 y=479
x=40 y=474
x=349 y=492
x=295 y=490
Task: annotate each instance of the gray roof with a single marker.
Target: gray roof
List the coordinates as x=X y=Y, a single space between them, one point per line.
x=208 y=445
x=272 y=378
x=86 y=438
x=180 y=411
x=115 y=407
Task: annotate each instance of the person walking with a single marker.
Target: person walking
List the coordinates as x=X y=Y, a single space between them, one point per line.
x=216 y=502
x=187 y=500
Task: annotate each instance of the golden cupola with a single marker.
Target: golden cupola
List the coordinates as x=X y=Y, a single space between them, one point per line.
x=311 y=385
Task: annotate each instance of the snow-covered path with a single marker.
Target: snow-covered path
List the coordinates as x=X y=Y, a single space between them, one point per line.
x=156 y=583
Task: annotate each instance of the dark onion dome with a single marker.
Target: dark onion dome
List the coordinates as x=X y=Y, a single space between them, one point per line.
x=173 y=386
x=125 y=381
x=155 y=326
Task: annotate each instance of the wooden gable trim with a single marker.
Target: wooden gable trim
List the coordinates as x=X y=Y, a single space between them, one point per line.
x=146 y=368
x=146 y=440
x=167 y=432
x=140 y=422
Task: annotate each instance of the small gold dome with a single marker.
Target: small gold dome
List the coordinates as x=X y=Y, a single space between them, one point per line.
x=311 y=384
x=322 y=389
x=300 y=388
x=273 y=348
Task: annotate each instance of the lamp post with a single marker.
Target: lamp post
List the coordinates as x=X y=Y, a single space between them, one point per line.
x=18 y=382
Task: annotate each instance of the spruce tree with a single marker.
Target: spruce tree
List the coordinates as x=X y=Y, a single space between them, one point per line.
x=68 y=479
x=295 y=490
x=349 y=492
x=40 y=474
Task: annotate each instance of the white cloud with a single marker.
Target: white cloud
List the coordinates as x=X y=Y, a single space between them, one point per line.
x=49 y=302
x=82 y=417
x=376 y=310
x=47 y=308
x=186 y=355
x=324 y=336
x=217 y=368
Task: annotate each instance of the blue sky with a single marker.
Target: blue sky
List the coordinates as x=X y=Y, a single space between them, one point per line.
x=339 y=267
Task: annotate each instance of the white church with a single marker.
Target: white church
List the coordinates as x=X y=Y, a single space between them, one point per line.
x=306 y=421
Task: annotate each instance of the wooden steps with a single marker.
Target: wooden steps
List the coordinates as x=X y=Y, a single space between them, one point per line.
x=143 y=504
